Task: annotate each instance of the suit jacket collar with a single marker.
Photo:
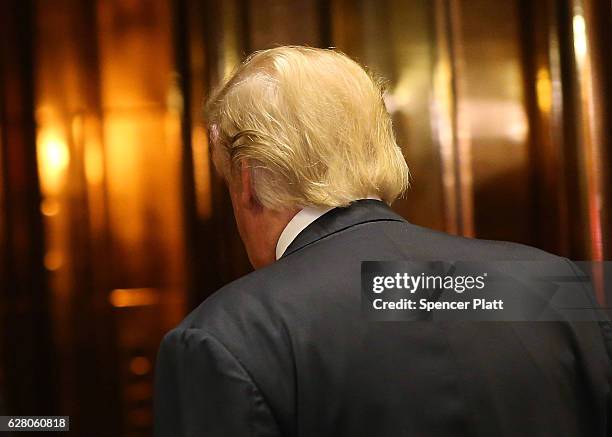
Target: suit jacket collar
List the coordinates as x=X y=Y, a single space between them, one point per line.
x=339 y=219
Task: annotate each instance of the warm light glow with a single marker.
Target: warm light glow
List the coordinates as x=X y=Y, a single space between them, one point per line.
x=400 y=97
x=230 y=53
x=497 y=118
x=140 y=366
x=133 y=297
x=53 y=159
x=442 y=108
x=53 y=260
x=544 y=90
x=580 y=39
x=125 y=169
x=49 y=207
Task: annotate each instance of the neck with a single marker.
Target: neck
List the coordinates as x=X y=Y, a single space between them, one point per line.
x=265 y=236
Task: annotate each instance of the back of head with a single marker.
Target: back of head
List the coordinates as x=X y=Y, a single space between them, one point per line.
x=311 y=124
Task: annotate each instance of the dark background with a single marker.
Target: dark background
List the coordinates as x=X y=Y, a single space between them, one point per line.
x=113 y=224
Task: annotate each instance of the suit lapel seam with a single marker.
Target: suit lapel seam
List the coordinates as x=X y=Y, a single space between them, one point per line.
x=297 y=249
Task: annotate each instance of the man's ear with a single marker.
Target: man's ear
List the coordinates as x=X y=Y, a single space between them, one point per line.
x=247 y=193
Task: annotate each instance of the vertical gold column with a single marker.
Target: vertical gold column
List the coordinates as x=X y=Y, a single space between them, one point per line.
x=69 y=164
x=545 y=100
x=589 y=127
x=451 y=132
x=490 y=121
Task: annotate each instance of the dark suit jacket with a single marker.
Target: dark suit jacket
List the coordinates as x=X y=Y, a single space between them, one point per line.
x=286 y=351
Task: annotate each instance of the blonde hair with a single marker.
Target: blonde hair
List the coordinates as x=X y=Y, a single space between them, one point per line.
x=312 y=126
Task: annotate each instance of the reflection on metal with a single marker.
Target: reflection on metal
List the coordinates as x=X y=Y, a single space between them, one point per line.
x=94 y=162
x=463 y=134
x=140 y=366
x=49 y=207
x=87 y=133
x=109 y=152
x=53 y=155
x=580 y=39
x=544 y=100
x=402 y=97
x=510 y=120
x=443 y=115
x=589 y=130
x=450 y=122
x=553 y=141
x=201 y=170
x=490 y=122
x=229 y=37
x=133 y=297
x=53 y=260
x=462 y=119
x=544 y=91
x=395 y=41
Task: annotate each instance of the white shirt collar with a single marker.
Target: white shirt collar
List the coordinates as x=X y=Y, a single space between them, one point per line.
x=299 y=222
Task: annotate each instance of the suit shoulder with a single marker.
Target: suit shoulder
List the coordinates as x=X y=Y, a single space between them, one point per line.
x=241 y=303
x=474 y=248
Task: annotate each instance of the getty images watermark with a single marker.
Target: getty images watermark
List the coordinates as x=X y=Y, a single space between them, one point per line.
x=557 y=290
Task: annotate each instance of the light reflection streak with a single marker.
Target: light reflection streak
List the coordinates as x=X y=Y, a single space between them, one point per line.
x=53 y=158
